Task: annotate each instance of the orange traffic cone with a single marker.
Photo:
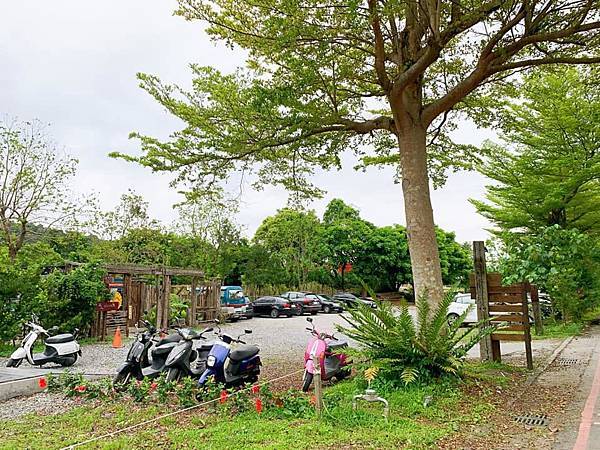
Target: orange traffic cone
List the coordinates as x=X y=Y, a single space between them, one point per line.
x=117 y=341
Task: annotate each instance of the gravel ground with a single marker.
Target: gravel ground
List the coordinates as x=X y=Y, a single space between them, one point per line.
x=43 y=403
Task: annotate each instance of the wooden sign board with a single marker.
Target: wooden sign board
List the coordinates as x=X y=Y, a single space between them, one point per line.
x=508 y=309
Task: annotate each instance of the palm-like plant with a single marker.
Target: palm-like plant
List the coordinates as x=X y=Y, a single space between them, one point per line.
x=407 y=351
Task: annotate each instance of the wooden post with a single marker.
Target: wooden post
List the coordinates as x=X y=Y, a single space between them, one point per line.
x=527 y=333
x=127 y=304
x=318 y=385
x=481 y=296
x=537 y=313
x=496 y=353
x=193 y=302
x=166 y=300
x=160 y=306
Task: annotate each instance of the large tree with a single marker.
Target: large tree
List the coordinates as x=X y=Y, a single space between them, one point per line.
x=548 y=171
x=324 y=77
x=34 y=175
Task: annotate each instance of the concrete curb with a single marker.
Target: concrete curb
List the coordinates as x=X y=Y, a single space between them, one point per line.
x=541 y=369
x=25 y=387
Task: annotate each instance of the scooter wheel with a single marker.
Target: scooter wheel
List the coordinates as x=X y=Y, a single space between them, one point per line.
x=121 y=379
x=68 y=361
x=13 y=362
x=306 y=381
x=172 y=375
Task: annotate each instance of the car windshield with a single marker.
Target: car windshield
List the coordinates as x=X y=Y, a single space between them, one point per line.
x=324 y=297
x=312 y=296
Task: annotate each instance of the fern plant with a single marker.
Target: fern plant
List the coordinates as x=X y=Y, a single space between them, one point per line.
x=406 y=351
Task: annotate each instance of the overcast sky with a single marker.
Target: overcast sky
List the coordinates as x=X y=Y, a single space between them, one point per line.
x=72 y=63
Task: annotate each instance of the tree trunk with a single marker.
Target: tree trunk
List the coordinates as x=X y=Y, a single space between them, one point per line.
x=422 y=243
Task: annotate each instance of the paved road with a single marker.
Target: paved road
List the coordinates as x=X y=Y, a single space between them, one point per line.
x=580 y=422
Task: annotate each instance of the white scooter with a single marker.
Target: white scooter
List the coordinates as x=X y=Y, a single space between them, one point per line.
x=61 y=348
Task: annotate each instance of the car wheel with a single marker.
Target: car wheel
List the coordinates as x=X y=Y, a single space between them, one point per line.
x=451 y=318
x=274 y=313
x=300 y=310
x=326 y=309
x=307 y=381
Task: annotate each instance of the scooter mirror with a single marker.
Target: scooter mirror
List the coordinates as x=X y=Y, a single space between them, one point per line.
x=309 y=319
x=248 y=331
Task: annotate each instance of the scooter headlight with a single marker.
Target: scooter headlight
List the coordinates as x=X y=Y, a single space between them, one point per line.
x=210 y=361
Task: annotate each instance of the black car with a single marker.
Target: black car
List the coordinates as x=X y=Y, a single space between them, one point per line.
x=274 y=307
x=328 y=305
x=352 y=301
x=305 y=304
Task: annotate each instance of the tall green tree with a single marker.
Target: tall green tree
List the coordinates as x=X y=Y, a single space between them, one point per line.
x=324 y=77
x=289 y=236
x=344 y=238
x=548 y=172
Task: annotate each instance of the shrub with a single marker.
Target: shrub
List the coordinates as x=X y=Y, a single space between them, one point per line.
x=69 y=299
x=564 y=263
x=406 y=352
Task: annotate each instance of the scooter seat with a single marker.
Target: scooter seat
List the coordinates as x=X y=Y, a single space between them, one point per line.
x=243 y=352
x=337 y=345
x=60 y=338
x=175 y=337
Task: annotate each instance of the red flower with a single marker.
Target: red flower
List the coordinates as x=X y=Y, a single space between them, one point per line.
x=153 y=386
x=313 y=400
x=223 y=397
x=258 y=405
x=255 y=389
x=43 y=384
x=81 y=388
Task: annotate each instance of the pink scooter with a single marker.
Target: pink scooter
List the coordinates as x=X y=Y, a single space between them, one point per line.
x=332 y=364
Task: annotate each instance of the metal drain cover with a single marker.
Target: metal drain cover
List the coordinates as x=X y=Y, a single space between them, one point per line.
x=567 y=362
x=538 y=420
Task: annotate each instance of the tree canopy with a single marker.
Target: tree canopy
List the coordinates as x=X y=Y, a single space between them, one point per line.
x=376 y=77
x=548 y=170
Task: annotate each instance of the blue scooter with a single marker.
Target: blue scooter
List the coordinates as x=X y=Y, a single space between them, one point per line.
x=231 y=364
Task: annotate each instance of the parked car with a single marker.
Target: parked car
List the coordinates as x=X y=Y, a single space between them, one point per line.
x=234 y=303
x=459 y=305
x=328 y=305
x=274 y=307
x=304 y=303
x=352 y=301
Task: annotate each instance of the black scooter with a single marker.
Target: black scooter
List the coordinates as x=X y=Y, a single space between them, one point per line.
x=137 y=364
x=185 y=360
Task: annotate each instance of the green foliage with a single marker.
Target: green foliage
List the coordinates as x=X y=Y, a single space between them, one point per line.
x=21 y=286
x=177 y=310
x=406 y=352
x=549 y=172
x=289 y=237
x=564 y=263
x=69 y=299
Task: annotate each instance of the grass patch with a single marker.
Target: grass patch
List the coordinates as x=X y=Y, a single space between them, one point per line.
x=558 y=330
x=413 y=423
